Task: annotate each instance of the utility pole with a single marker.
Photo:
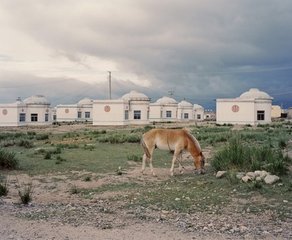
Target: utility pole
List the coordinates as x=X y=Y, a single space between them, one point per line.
x=110 y=84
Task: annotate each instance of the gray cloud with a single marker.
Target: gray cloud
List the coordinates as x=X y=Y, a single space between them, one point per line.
x=199 y=49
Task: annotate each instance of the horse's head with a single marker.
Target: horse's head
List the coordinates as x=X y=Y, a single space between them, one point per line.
x=200 y=163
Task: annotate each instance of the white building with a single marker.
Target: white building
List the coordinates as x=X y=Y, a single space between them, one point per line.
x=34 y=110
x=198 y=112
x=132 y=108
x=276 y=111
x=163 y=110
x=185 y=111
x=81 y=111
x=252 y=107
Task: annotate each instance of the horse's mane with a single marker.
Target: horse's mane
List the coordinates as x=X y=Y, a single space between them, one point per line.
x=195 y=141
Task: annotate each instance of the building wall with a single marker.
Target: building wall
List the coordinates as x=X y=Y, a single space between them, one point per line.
x=109 y=112
x=41 y=111
x=9 y=115
x=142 y=106
x=199 y=114
x=276 y=111
x=181 y=113
x=155 y=113
x=227 y=112
x=66 y=113
x=235 y=111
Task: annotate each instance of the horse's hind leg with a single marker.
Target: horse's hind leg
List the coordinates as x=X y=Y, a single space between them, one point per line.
x=180 y=167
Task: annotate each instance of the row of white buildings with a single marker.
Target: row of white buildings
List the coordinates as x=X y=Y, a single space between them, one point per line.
x=131 y=108
x=252 y=107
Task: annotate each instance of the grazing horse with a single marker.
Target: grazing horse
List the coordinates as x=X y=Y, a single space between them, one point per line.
x=175 y=140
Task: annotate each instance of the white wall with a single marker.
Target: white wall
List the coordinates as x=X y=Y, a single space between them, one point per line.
x=66 y=113
x=246 y=114
x=181 y=112
x=109 y=112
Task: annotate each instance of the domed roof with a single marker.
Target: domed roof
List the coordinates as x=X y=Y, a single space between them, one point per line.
x=255 y=93
x=166 y=100
x=197 y=106
x=85 y=101
x=36 y=99
x=134 y=95
x=184 y=103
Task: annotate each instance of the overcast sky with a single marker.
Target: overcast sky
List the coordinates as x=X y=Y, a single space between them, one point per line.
x=198 y=50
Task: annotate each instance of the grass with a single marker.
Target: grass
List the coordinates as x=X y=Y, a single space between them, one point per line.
x=8 y=160
x=105 y=151
x=26 y=194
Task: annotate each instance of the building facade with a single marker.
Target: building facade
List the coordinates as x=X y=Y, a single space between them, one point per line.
x=163 y=110
x=79 y=112
x=132 y=108
x=34 y=110
x=252 y=107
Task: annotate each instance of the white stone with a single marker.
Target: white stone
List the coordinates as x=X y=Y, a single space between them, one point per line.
x=239 y=175
x=220 y=174
x=246 y=179
x=251 y=175
x=270 y=179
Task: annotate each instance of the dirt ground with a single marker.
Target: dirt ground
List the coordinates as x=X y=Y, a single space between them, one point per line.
x=56 y=213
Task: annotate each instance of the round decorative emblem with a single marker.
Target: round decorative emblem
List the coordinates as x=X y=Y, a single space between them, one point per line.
x=107 y=108
x=4 y=111
x=235 y=108
x=66 y=110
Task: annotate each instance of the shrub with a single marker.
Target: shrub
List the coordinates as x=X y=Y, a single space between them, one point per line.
x=3 y=189
x=8 y=159
x=26 y=194
x=42 y=136
x=25 y=143
x=238 y=156
x=48 y=155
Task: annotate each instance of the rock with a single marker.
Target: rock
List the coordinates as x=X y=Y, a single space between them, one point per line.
x=251 y=175
x=239 y=175
x=263 y=174
x=220 y=174
x=270 y=179
x=246 y=179
x=258 y=179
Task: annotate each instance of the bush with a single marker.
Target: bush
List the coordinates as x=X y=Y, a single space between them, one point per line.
x=8 y=160
x=26 y=194
x=42 y=136
x=238 y=156
x=3 y=189
x=25 y=143
x=134 y=157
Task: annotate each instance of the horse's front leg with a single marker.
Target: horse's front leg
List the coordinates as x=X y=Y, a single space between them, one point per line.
x=143 y=163
x=175 y=156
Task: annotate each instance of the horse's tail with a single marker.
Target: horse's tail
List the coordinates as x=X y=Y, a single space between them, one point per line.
x=145 y=148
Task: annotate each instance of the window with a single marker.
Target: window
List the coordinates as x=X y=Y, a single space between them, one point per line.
x=87 y=114
x=168 y=114
x=22 y=117
x=126 y=114
x=198 y=116
x=34 y=117
x=79 y=114
x=260 y=115
x=186 y=116
x=54 y=117
x=137 y=114
x=46 y=117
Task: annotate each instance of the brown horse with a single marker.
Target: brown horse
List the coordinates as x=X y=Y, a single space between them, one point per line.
x=175 y=140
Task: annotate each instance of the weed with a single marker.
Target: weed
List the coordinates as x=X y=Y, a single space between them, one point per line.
x=8 y=159
x=25 y=143
x=134 y=157
x=87 y=179
x=74 y=190
x=48 y=155
x=42 y=137
x=26 y=194
x=3 y=188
